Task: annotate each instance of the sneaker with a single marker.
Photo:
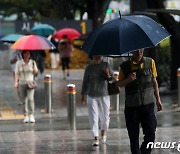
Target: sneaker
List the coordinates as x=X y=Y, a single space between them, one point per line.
x=31 y=119
x=26 y=119
x=95 y=143
x=103 y=140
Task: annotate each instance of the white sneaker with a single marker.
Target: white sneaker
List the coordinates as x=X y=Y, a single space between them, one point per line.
x=26 y=119
x=31 y=118
x=103 y=140
x=95 y=143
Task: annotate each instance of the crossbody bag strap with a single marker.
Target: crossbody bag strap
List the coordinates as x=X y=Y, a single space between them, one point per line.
x=24 y=71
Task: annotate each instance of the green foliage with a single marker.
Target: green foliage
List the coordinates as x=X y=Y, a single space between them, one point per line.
x=165 y=50
x=37 y=9
x=60 y=9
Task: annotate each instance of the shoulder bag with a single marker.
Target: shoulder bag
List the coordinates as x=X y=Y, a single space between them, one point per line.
x=113 y=88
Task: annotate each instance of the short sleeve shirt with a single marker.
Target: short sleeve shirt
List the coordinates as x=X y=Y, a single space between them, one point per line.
x=25 y=71
x=133 y=66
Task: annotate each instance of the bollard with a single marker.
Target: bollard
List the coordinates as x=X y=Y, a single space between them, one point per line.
x=48 y=93
x=71 y=91
x=115 y=98
x=178 y=78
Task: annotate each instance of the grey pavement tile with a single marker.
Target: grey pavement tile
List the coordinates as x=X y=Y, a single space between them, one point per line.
x=28 y=136
x=11 y=137
x=1 y=139
x=64 y=134
x=15 y=146
x=5 y=151
x=46 y=135
x=22 y=151
x=3 y=145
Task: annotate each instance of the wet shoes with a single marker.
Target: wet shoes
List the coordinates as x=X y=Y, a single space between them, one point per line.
x=103 y=140
x=31 y=119
x=26 y=119
x=95 y=143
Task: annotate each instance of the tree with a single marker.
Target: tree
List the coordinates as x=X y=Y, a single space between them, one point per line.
x=61 y=9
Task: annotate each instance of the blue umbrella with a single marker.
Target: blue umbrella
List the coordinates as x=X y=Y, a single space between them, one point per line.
x=43 y=29
x=11 y=38
x=123 y=35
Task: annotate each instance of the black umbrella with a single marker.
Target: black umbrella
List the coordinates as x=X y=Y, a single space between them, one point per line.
x=123 y=35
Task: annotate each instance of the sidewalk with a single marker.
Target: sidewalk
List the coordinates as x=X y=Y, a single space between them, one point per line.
x=50 y=134
x=79 y=142
x=9 y=99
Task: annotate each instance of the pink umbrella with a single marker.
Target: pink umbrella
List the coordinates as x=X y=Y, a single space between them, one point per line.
x=70 y=33
x=32 y=42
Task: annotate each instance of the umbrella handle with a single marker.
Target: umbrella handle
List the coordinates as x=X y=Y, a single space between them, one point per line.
x=120 y=14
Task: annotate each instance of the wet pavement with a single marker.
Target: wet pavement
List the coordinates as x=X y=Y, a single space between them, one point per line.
x=50 y=133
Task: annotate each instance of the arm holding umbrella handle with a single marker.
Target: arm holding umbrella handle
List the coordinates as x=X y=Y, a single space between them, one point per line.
x=126 y=81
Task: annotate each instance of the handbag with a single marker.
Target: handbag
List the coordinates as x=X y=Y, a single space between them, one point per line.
x=113 y=88
x=31 y=84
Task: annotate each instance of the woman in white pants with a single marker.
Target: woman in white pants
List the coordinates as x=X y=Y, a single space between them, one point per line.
x=94 y=91
x=24 y=72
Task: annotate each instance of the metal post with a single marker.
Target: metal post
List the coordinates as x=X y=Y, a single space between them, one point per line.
x=48 y=93
x=178 y=78
x=115 y=98
x=71 y=91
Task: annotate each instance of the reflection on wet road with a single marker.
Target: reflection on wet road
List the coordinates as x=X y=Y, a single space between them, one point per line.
x=116 y=121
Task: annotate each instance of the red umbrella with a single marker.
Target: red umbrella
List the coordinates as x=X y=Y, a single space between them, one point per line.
x=32 y=42
x=70 y=33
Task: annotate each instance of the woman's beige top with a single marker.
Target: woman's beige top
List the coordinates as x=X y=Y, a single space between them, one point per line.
x=25 y=71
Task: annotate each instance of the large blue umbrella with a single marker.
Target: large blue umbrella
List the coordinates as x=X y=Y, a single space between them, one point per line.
x=11 y=38
x=43 y=29
x=123 y=35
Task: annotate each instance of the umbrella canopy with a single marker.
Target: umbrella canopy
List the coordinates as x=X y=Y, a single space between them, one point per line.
x=43 y=29
x=32 y=42
x=11 y=38
x=123 y=35
x=70 y=33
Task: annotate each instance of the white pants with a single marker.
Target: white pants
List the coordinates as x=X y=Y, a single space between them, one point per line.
x=54 y=60
x=27 y=97
x=98 y=108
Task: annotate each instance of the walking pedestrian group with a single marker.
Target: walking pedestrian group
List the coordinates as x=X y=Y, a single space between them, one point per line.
x=137 y=74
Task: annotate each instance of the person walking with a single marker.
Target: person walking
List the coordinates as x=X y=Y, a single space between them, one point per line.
x=15 y=56
x=54 y=53
x=39 y=57
x=138 y=75
x=65 y=49
x=24 y=71
x=94 y=91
